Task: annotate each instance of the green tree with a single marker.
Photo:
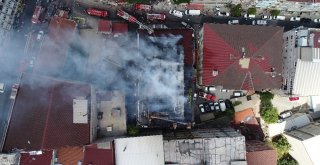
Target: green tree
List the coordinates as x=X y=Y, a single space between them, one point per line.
x=282 y=145
x=287 y=159
x=132 y=130
x=137 y=1
x=252 y=10
x=269 y=114
x=181 y=1
x=275 y=12
x=236 y=10
x=237 y=103
x=266 y=98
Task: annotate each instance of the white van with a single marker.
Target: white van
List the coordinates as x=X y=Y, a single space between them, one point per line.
x=176 y=13
x=192 y=12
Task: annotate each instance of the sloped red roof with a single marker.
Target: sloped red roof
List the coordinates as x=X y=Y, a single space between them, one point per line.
x=258 y=153
x=195 y=6
x=98 y=156
x=222 y=51
x=43 y=159
x=246 y=116
x=119 y=27
x=104 y=26
x=53 y=53
x=186 y=41
x=42 y=116
x=70 y=155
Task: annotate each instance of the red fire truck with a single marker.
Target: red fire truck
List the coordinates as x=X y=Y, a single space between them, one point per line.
x=142 y=7
x=37 y=12
x=156 y=17
x=96 y=12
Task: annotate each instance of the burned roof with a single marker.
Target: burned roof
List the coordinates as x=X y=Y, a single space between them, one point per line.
x=42 y=115
x=241 y=56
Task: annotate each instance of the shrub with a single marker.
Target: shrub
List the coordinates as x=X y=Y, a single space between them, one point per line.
x=275 y=12
x=132 y=130
x=287 y=159
x=236 y=103
x=269 y=114
x=252 y=10
x=282 y=145
x=236 y=10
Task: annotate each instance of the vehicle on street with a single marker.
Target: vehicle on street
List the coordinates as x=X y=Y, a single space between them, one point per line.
x=209 y=97
x=293 y=98
x=285 y=114
x=279 y=17
x=305 y=20
x=1 y=87
x=156 y=17
x=223 y=14
x=224 y=90
x=14 y=91
x=40 y=34
x=233 y=22
x=36 y=14
x=237 y=94
x=209 y=89
x=192 y=12
x=295 y=19
x=201 y=107
x=195 y=96
x=216 y=106
x=261 y=22
x=142 y=7
x=266 y=17
x=176 y=13
x=249 y=16
x=222 y=105
x=211 y=106
x=317 y=20
x=96 y=12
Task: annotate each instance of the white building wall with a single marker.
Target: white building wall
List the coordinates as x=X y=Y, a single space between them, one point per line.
x=312 y=146
x=298 y=151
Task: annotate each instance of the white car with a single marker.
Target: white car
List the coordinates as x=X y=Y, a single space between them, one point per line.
x=285 y=114
x=233 y=22
x=210 y=89
x=40 y=34
x=224 y=90
x=295 y=19
x=223 y=14
x=222 y=105
x=176 y=13
x=317 y=20
x=216 y=106
x=1 y=87
x=201 y=107
x=261 y=22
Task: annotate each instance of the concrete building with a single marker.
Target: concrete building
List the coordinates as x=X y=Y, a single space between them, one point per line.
x=305 y=144
x=10 y=159
x=214 y=146
x=8 y=9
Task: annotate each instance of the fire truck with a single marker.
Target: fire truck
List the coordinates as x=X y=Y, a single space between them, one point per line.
x=156 y=16
x=142 y=7
x=96 y=12
x=36 y=14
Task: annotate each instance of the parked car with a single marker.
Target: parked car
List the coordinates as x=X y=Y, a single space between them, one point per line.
x=228 y=104
x=261 y=22
x=285 y=114
x=223 y=14
x=210 y=89
x=176 y=13
x=195 y=96
x=40 y=34
x=211 y=106
x=1 y=87
x=306 y=20
x=233 y=22
x=266 y=17
x=295 y=19
x=142 y=7
x=249 y=16
x=156 y=16
x=14 y=91
x=237 y=94
x=96 y=12
x=192 y=12
x=222 y=105
x=317 y=20
x=216 y=106
x=201 y=107
x=224 y=90
x=209 y=97
x=293 y=98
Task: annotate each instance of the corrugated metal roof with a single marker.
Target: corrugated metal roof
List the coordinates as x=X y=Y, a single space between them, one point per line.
x=307 y=81
x=257 y=151
x=98 y=156
x=70 y=155
x=144 y=150
x=104 y=26
x=119 y=27
x=44 y=158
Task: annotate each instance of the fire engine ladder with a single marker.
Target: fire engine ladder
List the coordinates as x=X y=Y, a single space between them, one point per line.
x=248 y=79
x=130 y=18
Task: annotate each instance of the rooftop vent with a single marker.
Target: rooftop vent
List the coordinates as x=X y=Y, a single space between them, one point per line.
x=243 y=50
x=215 y=72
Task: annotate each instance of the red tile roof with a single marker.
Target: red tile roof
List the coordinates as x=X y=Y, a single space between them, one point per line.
x=70 y=155
x=104 y=26
x=53 y=53
x=316 y=40
x=186 y=41
x=246 y=116
x=195 y=6
x=47 y=122
x=44 y=159
x=222 y=51
x=119 y=27
x=258 y=153
x=98 y=156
